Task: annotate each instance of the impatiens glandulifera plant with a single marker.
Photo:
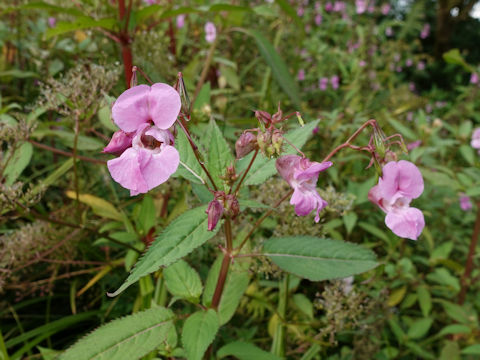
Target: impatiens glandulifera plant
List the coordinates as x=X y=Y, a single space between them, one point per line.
x=148 y=154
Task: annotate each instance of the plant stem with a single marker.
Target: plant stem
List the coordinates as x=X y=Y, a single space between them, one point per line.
x=204 y=73
x=370 y=122
x=465 y=280
x=246 y=171
x=227 y=258
x=125 y=42
x=278 y=344
x=66 y=153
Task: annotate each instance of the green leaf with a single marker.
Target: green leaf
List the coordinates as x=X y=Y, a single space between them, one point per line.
x=472 y=350
x=420 y=351
x=80 y=23
x=147 y=214
x=279 y=68
x=99 y=206
x=203 y=97
x=180 y=237
x=127 y=338
x=468 y=154
x=18 y=162
x=39 y=5
x=264 y=168
x=304 y=304
x=235 y=286
x=319 y=259
x=349 y=220
x=456 y=312
x=219 y=154
x=187 y=157
x=455 y=329
x=425 y=300
x=67 y=138
x=292 y=13
x=245 y=351
x=183 y=281
x=419 y=328
x=18 y=74
x=199 y=332
x=453 y=56
x=54 y=176
x=402 y=129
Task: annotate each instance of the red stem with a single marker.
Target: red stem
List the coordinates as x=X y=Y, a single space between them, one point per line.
x=469 y=264
x=227 y=258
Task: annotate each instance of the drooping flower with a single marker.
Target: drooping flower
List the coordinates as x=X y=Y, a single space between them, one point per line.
x=475 y=142
x=389 y=31
x=214 y=212
x=385 y=8
x=301 y=75
x=149 y=162
x=318 y=19
x=421 y=65
x=335 y=81
x=361 y=6
x=180 y=21
x=148 y=158
x=52 y=21
x=302 y=176
x=210 y=32
x=465 y=203
x=400 y=183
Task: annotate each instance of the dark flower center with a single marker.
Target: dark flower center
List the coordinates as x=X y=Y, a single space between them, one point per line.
x=150 y=142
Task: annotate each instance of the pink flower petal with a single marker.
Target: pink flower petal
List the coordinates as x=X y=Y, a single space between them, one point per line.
x=120 y=141
x=401 y=177
x=164 y=105
x=126 y=171
x=159 y=167
x=406 y=223
x=131 y=108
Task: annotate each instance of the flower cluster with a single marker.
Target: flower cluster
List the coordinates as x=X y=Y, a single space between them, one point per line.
x=144 y=144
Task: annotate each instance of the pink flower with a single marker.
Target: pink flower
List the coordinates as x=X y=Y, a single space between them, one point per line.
x=302 y=176
x=301 y=75
x=474 y=78
x=361 y=6
x=210 y=32
x=148 y=163
x=421 y=65
x=300 y=11
x=180 y=21
x=318 y=19
x=425 y=31
x=388 y=31
x=323 y=83
x=51 y=21
x=144 y=114
x=414 y=145
x=475 y=143
x=385 y=9
x=335 y=81
x=400 y=183
x=328 y=7
x=465 y=203
x=142 y=104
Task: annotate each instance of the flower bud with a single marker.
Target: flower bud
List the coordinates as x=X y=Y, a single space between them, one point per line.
x=232 y=207
x=277 y=141
x=246 y=143
x=264 y=139
x=278 y=116
x=214 y=212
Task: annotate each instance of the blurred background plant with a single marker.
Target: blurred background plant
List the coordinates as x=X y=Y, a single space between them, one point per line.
x=69 y=233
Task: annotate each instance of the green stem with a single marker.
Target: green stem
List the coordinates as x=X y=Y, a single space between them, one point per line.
x=278 y=345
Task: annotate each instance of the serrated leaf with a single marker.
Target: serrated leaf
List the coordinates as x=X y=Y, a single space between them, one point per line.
x=319 y=259
x=219 y=153
x=419 y=328
x=18 y=162
x=180 y=237
x=198 y=333
x=245 y=351
x=99 y=206
x=264 y=168
x=183 y=281
x=279 y=68
x=127 y=338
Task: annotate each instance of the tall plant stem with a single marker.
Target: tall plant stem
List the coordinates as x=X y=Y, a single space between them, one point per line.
x=125 y=40
x=66 y=153
x=204 y=73
x=465 y=280
x=227 y=258
x=278 y=344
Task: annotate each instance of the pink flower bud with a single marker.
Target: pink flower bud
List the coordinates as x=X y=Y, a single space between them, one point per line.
x=210 y=32
x=180 y=21
x=474 y=78
x=214 y=212
x=246 y=143
x=465 y=203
